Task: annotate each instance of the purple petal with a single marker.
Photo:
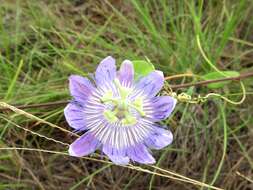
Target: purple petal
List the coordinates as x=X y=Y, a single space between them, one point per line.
x=159 y=138
x=106 y=70
x=75 y=116
x=118 y=156
x=84 y=145
x=126 y=73
x=140 y=154
x=152 y=83
x=80 y=88
x=161 y=107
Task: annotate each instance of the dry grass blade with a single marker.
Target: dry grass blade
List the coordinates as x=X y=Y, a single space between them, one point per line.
x=19 y=111
x=137 y=168
x=245 y=177
x=34 y=133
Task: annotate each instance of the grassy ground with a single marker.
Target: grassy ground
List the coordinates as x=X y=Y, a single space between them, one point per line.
x=213 y=140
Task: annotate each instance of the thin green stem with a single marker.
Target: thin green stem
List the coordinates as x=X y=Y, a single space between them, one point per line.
x=206 y=58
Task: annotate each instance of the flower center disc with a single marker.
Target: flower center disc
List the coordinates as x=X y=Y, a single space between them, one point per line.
x=121 y=106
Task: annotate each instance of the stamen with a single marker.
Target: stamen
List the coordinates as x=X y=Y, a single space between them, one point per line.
x=121 y=106
x=110 y=116
x=124 y=92
x=129 y=119
x=139 y=109
x=138 y=105
x=108 y=96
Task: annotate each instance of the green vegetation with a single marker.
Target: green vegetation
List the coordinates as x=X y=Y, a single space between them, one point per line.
x=43 y=42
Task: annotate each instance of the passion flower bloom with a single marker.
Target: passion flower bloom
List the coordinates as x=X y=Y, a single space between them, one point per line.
x=118 y=113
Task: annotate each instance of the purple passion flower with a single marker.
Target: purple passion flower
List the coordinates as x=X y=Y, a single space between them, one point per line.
x=119 y=114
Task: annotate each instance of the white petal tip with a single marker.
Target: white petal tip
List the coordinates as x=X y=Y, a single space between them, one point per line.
x=152 y=161
x=159 y=72
x=127 y=62
x=71 y=152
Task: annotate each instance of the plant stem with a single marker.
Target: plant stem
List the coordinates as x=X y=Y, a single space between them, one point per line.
x=174 y=87
x=242 y=76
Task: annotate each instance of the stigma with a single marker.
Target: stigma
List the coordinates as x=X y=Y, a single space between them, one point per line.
x=120 y=108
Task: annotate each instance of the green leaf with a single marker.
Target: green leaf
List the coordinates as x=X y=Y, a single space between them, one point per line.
x=219 y=75
x=142 y=68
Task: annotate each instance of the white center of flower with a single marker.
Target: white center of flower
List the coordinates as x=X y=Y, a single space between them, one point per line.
x=122 y=106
